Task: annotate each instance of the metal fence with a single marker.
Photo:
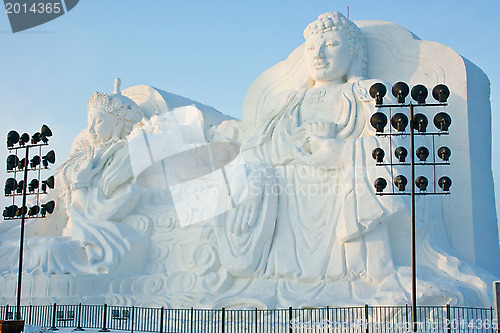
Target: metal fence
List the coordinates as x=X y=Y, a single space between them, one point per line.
x=362 y=319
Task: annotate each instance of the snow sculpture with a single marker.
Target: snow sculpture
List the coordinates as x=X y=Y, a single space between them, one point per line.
x=310 y=231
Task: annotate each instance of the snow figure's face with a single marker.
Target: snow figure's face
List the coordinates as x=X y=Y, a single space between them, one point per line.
x=327 y=56
x=102 y=124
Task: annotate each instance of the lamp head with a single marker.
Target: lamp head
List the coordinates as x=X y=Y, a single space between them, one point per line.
x=445 y=183
x=444 y=153
x=401 y=154
x=35 y=161
x=378 y=121
x=10 y=186
x=442 y=121
x=12 y=138
x=419 y=93
x=20 y=187
x=49 y=158
x=34 y=210
x=441 y=93
x=421 y=183
x=35 y=138
x=380 y=184
x=378 y=155
x=24 y=139
x=45 y=131
x=400 y=181
x=378 y=91
x=48 y=208
x=420 y=122
x=12 y=162
x=400 y=90
x=10 y=211
x=422 y=153
x=33 y=185
x=399 y=121
x=49 y=182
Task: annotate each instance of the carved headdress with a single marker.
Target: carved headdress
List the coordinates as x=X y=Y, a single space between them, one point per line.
x=119 y=106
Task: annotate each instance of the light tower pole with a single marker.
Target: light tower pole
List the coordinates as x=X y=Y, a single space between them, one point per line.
x=417 y=122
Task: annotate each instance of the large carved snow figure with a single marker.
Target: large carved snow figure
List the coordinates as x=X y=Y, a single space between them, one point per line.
x=328 y=226
x=95 y=194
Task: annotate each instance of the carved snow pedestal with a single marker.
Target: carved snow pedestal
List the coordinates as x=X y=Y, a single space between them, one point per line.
x=285 y=215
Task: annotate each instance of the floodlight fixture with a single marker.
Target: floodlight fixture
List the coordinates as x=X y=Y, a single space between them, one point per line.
x=22 y=211
x=445 y=183
x=442 y=121
x=35 y=161
x=21 y=164
x=35 y=138
x=10 y=186
x=10 y=211
x=12 y=139
x=401 y=154
x=420 y=122
x=24 y=139
x=20 y=187
x=441 y=93
x=45 y=131
x=12 y=162
x=378 y=91
x=399 y=121
x=378 y=154
x=48 y=208
x=380 y=184
x=49 y=158
x=400 y=90
x=422 y=153
x=33 y=185
x=378 y=121
x=419 y=93
x=34 y=210
x=422 y=183
x=49 y=182
x=400 y=181
x=444 y=153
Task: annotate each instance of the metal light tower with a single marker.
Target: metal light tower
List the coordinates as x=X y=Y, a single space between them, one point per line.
x=417 y=127
x=19 y=147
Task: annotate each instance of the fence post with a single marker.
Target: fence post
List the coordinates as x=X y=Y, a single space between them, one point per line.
x=7 y=312
x=290 y=314
x=133 y=313
x=30 y=316
x=192 y=319
x=491 y=317
x=496 y=302
x=105 y=314
x=329 y=325
x=366 y=318
x=54 y=310
x=161 y=320
x=256 y=319
x=407 y=317
x=223 y=320
x=79 y=324
x=448 y=316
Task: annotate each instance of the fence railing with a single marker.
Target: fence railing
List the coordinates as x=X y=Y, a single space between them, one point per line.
x=361 y=319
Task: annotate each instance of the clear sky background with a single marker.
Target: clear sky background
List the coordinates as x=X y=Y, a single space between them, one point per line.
x=209 y=51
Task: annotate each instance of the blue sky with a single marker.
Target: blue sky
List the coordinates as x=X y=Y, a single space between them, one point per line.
x=210 y=51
